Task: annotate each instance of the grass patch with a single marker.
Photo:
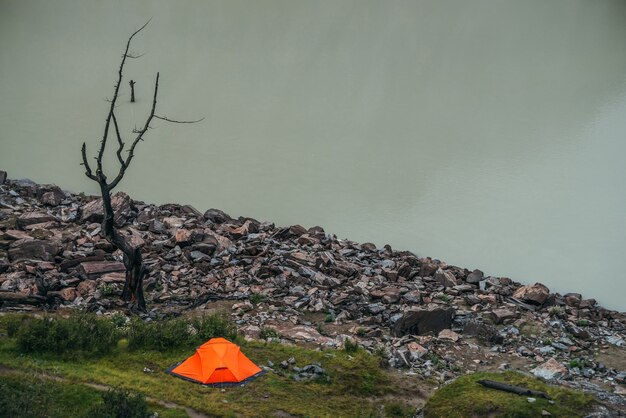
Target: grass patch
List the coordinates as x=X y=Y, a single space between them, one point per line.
x=29 y=395
x=466 y=398
x=354 y=383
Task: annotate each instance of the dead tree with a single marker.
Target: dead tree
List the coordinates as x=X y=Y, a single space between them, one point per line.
x=135 y=269
x=132 y=91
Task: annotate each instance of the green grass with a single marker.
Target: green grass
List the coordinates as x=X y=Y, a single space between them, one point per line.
x=354 y=386
x=28 y=395
x=465 y=398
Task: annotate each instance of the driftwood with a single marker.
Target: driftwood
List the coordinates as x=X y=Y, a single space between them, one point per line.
x=518 y=390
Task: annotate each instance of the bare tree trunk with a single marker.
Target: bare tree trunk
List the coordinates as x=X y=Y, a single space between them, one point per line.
x=133 y=261
x=132 y=91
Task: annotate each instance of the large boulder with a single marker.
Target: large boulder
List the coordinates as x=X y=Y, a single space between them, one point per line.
x=419 y=321
x=122 y=211
x=536 y=294
x=33 y=249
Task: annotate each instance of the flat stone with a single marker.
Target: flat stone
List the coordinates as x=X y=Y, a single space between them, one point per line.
x=95 y=269
x=448 y=334
x=32 y=249
x=31 y=218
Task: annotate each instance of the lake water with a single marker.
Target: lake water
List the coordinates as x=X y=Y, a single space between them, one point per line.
x=489 y=134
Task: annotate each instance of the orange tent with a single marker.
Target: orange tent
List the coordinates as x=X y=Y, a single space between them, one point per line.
x=218 y=362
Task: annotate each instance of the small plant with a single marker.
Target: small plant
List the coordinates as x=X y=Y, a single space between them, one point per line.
x=579 y=362
x=350 y=346
x=118 y=403
x=360 y=332
x=107 y=290
x=582 y=323
x=319 y=328
x=556 y=311
x=330 y=317
x=268 y=332
x=443 y=297
x=158 y=287
x=547 y=341
x=118 y=320
x=256 y=298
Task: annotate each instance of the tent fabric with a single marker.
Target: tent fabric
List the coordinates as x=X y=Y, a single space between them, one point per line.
x=218 y=362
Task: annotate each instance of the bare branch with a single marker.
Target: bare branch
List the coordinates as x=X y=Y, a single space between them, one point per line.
x=113 y=100
x=135 y=56
x=131 y=151
x=177 y=121
x=88 y=171
x=119 y=140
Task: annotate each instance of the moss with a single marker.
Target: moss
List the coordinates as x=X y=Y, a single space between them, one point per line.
x=465 y=397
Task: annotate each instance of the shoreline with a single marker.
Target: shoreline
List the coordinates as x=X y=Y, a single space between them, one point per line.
x=306 y=285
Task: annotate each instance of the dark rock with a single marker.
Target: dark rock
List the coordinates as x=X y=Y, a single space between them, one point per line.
x=475 y=277
x=3 y=176
x=33 y=249
x=216 y=216
x=483 y=331
x=420 y=321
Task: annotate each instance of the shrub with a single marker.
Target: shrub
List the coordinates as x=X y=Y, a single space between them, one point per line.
x=350 y=346
x=119 y=403
x=256 y=298
x=178 y=333
x=80 y=332
x=267 y=333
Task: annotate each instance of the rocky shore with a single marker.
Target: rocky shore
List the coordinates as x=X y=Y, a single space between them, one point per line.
x=304 y=285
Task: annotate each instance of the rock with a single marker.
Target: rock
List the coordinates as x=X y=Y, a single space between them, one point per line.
x=475 y=277
x=445 y=278
x=550 y=370
x=500 y=316
x=37 y=217
x=93 y=212
x=483 y=331
x=216 y=216
x=87 y=287
x=3 y=176
x=53 y=198
x=95 y=269
x=416 y=351
x=448 y=334
x=572 y=299
x=33 y=249
x=420 y=321
x=297 y=230
x=535 y=294
x=68 y=294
